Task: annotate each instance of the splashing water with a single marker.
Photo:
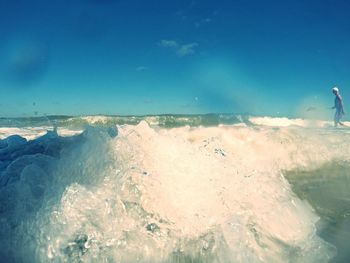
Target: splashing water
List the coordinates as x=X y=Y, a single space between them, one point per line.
x=152 y=194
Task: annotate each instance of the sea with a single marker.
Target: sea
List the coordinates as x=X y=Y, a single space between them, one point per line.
x=213 y=188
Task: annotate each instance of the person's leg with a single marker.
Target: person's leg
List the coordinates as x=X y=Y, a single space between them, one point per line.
x=336 y=118
x=339 y=118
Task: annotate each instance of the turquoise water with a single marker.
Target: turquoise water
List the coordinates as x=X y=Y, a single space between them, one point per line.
x=327 y=189
x=166 y=120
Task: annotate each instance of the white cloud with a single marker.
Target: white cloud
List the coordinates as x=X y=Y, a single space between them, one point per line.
x=168 y=43
x=180 y=49
x=187 y=49
x=203 y=22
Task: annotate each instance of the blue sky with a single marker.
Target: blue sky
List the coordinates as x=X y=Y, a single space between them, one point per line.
x=149 y=57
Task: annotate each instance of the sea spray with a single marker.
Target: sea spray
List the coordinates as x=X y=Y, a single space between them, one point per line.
x=150 y=194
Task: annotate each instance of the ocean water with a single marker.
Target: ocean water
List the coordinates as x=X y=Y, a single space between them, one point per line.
x=173 y=188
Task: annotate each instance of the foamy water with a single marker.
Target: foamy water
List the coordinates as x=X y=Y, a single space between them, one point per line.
x=152 y=194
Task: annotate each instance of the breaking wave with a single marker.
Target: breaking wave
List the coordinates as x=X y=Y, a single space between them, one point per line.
x=148 y=193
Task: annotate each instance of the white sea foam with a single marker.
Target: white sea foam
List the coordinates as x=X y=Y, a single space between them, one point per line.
x=285 y=122
x=96 y=119
x=31 y=133
x=169 y=195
